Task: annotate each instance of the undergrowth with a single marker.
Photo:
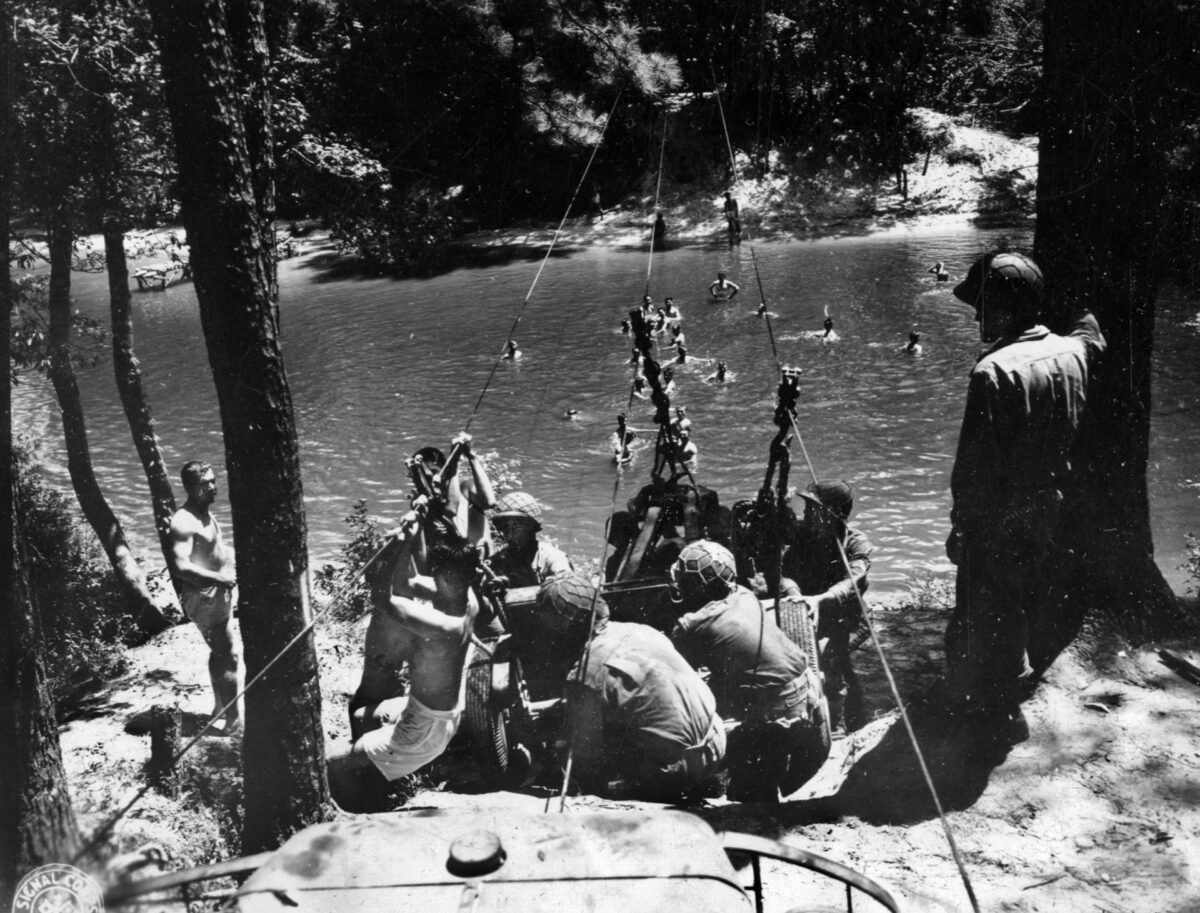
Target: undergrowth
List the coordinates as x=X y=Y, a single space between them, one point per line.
x=84 y=628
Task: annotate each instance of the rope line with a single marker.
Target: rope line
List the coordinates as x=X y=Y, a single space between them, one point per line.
x=887 y=669
x=553 y=241
x=657 y=192
x=587 y=650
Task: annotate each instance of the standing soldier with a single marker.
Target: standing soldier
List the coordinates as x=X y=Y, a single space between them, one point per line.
x=733 y=219
x=814 y=563
x=199 y=562
x=1025 y=401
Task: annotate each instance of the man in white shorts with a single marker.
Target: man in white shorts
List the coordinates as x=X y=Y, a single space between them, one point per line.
x=403 y=570
x=199 y=565
x=434 y=636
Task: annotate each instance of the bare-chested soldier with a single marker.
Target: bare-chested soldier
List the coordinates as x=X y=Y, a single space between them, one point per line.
x=433 y=636
x=404 y=570
x=200 y=561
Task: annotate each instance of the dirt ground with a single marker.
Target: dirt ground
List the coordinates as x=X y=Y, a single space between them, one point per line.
x=1097 y=811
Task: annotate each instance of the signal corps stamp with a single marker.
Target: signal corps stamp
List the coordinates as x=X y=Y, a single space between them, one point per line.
x=58 y=888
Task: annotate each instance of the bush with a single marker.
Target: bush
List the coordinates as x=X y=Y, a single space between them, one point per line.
x=346 y=581
x=84 y=627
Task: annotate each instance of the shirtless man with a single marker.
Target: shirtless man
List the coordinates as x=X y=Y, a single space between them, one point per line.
x=199 y=559
x=721 y=289
x=404 y=571
x=434 y=636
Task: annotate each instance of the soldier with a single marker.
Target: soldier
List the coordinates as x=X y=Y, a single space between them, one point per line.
x=813 y=562
x=639 y=722
x=200 y=562
x=1025 y=401
x=759 y=676
x=523 y=559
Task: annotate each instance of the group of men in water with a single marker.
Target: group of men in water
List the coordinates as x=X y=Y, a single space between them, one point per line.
x=646 y=707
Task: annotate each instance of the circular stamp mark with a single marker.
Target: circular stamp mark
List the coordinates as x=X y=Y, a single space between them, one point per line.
x=58 y=888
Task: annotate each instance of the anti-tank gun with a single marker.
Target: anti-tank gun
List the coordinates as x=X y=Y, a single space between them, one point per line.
x=666 y=514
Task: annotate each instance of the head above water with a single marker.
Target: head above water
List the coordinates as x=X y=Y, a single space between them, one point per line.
x=720 y=274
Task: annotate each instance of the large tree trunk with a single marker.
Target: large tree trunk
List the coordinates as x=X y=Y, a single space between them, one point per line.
x=37 y=823
x=79 y=459
x=133 y=394
x=1101 y=187
x=284 y=758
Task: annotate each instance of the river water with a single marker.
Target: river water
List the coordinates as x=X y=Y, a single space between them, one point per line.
x=379 y=367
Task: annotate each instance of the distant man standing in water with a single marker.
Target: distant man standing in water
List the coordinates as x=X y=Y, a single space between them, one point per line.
x=199 y=564
x=1025 y=402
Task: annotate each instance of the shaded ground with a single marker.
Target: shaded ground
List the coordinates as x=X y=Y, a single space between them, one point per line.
x=1098 y=810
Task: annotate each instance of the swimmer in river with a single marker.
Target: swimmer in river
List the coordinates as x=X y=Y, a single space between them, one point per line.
x=939 y=272
x=668 y=380
x=647 y=308
x=761 y=311
x=571 y=415
x=636 y=358
x=511 y=352
x=914 y=344
x=672 y=312
x=660 y=320
x=639 y=387
x=681 y=422
x=677 y=337
x=719 y=376
x=626 y=326
x=622 y=438
x=721 y=289
x=686 y=452
x=681 y=357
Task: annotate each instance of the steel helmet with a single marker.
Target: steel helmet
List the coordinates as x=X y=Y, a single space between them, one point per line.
x=1013 y=272
x=566 y=604
x=704 y=567
x=518 y=504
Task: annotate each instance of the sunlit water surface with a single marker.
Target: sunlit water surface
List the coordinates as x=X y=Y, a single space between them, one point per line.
x=379 y=367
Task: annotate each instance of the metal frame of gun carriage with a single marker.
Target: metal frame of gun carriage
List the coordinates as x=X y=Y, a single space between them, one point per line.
x=512 y=708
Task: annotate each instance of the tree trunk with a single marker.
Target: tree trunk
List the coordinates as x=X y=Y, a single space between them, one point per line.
x=79 y=459
x=284 y=757
x=37 y=823
x=133 y=394
x=1101 y=187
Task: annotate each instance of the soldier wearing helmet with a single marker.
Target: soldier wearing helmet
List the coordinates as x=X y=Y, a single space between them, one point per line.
x=640 y=722
x=523 y=558
x=1025 y=400
x=813 y=568
x=759 y=676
